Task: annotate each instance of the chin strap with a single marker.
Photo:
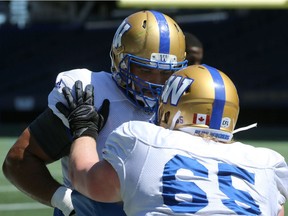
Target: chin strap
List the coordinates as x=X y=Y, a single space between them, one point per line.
x=174 y=120
x=245 y=128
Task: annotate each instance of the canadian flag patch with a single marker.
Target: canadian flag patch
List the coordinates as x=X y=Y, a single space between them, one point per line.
x=201 y=119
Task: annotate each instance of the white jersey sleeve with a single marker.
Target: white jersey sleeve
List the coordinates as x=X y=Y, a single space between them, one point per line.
x=281 y=175
x=68 y=79
x=118 y=147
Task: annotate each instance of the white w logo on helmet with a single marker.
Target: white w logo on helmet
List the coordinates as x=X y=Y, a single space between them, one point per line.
x=174 y=89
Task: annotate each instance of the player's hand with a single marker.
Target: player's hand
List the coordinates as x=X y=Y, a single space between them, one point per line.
x=83 y=118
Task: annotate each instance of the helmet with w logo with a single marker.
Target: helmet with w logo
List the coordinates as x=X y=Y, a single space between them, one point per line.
x=200 y=99
x=153 y=43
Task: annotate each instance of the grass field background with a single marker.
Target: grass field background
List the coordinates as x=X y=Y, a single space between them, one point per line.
x=13 y=202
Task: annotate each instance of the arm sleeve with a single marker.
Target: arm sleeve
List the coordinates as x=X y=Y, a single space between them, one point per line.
x=51 y=128
x=51 y=134
x=119 y=146
x=117 y=150
x=281 y=171
x=128 y=141
x=126 y=149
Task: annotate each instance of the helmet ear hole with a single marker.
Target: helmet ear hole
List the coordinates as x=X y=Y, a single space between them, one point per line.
x=166 y=117
x=144 y=24
x=177 y=27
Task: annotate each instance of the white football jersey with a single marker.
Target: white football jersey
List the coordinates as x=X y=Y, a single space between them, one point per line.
x=121 y=108
x=165 y=172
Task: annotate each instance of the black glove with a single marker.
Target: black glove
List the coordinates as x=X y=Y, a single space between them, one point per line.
x=73 y=213
x=84 y=120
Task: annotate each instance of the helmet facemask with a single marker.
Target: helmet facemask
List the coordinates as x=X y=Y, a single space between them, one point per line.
x=141 y=91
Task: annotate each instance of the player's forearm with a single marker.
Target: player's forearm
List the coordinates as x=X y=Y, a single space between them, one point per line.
x=25 y=167
x=32 y=177
x=83 y=156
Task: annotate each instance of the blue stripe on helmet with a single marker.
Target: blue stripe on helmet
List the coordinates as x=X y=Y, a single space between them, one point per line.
x=164 y=45
x=220 y=98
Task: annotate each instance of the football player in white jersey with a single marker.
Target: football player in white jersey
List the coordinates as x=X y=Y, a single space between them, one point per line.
x=189 y=165
x=147 y=48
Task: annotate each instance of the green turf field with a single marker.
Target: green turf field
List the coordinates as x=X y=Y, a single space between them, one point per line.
x=13 y=202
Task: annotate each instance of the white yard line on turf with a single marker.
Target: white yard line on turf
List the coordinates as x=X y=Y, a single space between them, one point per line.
x=22 y=206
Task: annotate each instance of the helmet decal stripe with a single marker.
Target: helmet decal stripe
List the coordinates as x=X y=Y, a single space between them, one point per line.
x=220 y=98
x=164 y=44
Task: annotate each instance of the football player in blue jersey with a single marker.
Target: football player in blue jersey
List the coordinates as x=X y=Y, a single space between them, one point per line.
x=147 y=48
x=189 y=165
